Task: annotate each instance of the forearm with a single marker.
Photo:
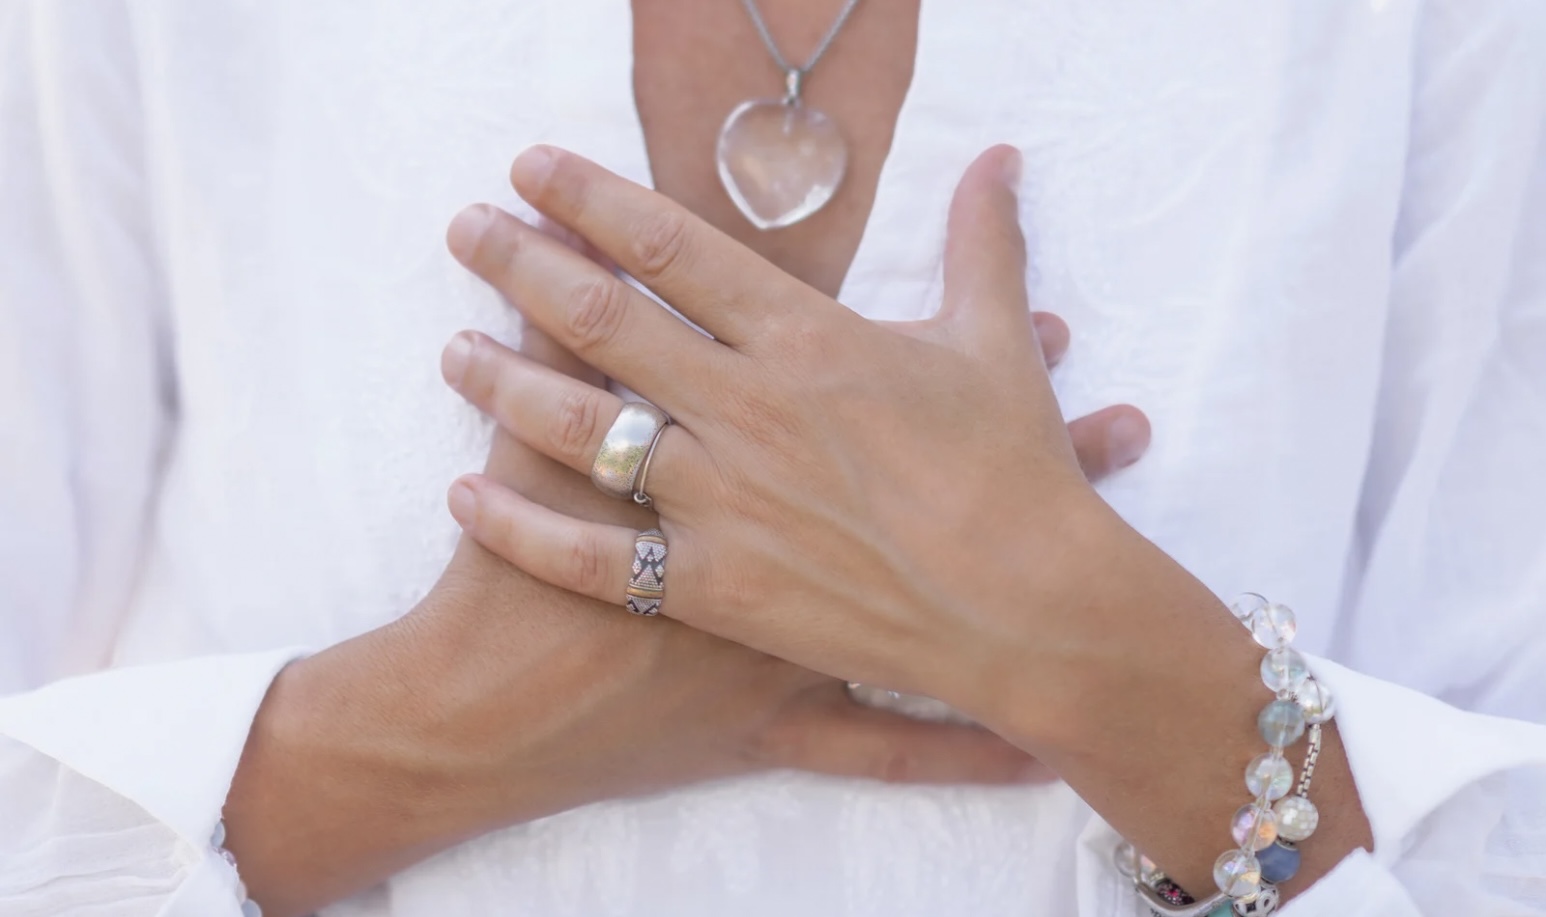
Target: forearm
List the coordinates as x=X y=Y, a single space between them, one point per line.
x=336 y=789
x=388 y=748
x=1154 y=721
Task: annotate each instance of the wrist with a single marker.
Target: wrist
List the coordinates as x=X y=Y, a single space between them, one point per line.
x=1119 y=619
x=329 y=796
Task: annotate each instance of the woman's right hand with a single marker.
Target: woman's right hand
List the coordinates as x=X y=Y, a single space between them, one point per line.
x=500 y=699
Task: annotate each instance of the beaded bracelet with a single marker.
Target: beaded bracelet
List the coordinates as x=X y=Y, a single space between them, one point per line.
x=1301 y=701
x=1269 y=828
x=217 y=840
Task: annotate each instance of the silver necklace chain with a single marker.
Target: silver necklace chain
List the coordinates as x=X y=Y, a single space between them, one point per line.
x=794 y=77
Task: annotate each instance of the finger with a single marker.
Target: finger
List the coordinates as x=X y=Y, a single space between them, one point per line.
x=576 y=242
x=587 y=310
x=588 y=558
x=1109 y=440
x=559 y=416
x=844 y=739
x=720 y=284
x=985 y=298
x=1053 y=335
x=540 y=346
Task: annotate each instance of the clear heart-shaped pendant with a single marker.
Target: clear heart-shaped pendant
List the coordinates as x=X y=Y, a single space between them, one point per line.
x=780 y=162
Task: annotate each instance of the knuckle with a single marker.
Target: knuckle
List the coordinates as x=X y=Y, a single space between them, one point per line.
x=596 y=312
x=660 y=245
x=575 y=423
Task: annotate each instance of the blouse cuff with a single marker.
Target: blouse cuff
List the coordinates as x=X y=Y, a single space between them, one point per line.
x=1410 y=754
x=166 y=736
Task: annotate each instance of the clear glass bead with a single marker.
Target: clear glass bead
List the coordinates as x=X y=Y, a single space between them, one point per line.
x=1148 y=870
x=1297 y=818
x=1317 y=702
x=1238 y=874
x=1246 y=606
x=218 y=838
x=1126 y=859
x=1284 y=669
x=1269 y=776
x=1274 y=626
x=1281 y=723
x=1254 y=826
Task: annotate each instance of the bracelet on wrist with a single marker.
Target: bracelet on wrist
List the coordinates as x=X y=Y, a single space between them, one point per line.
x=1268 y=829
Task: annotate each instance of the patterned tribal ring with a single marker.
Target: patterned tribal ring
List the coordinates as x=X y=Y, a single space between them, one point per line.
x=647 y=586
x=625 y=446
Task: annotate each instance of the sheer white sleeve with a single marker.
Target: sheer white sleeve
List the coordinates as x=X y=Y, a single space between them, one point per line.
x=1451 y=594
x=110 y=783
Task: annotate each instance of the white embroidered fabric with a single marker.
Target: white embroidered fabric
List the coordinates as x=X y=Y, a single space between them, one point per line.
x=1309 y=239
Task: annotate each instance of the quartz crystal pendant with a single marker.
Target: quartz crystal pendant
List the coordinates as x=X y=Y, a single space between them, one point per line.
x=1281 y=723
x=1274 y=626
x=1317 y=702
x=1284 y=669
x=1238 y=874
x=1269 y=776
x=780 y=161
x=1297 y=818
x=1254 y=826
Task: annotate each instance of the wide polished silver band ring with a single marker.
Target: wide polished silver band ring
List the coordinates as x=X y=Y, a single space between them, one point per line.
x=647 y=584
x=625 y=447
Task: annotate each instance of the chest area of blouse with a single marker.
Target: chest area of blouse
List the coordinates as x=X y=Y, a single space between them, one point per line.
x=1209 y=188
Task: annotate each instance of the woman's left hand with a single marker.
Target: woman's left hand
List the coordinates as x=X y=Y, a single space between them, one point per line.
x=919 y=476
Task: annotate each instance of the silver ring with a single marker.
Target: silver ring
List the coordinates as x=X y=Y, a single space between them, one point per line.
x=639 y=496
x=625 y=447
x=647 y=585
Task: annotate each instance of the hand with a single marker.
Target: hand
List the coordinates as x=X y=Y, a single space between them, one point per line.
x=819 y=461
x=501 y=698
x=898 y=505
x=740 y=710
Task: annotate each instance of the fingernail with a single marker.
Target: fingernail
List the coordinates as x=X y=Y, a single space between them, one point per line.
x=454 y=359
x=467 y=228
x=1129 y=440
x=1013 y=165
x=464 y=504
x=531 y=169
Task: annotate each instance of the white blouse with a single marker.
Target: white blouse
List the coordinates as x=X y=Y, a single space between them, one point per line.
x=1308 y=238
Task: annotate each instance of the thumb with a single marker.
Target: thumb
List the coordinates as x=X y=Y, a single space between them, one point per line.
x=835 y=736
x=986 y=308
